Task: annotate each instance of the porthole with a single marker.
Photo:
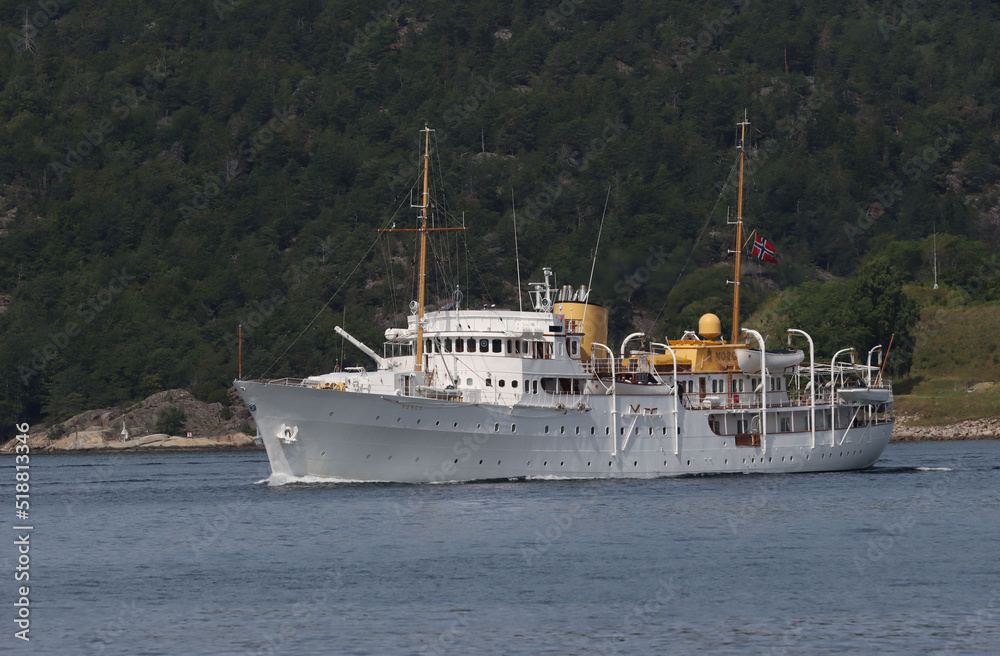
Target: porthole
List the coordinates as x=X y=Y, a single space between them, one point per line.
x=418 y=421
x=635 y=463
x=546 y=430
x=513 y=383
x=480 y=462
x=502 y=382
x=399 y=419
x=456 y=461
x=368 y=456
x=496 y=428
x=498 y=463
x=468 y=382
x=562 y=430
x=479 y=426
x=790 y=458
x=593 y=429
x=513 y=428
x=322 y=454
x=577 y=430
x=726 y=461
x=689 y=463
x=437 y=423
x=455 y=424
x=588 y=463
x=609 y=463
x=376 y=416
x=545 y=464
x=417 y=459
x=769 y=459
x=607 y=430
x=561 y=464
x=331 y=414
x=389 y=458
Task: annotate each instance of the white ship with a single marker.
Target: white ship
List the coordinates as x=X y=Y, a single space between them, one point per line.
x=462 y=395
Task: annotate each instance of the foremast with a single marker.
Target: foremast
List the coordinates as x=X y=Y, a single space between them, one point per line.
x=425 y=203
x=419 y=351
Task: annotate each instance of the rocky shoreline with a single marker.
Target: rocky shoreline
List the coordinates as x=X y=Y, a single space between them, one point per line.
x=987 y=428
x=209 y=427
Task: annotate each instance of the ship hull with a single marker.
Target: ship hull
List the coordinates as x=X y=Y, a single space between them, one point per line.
x=346 y=435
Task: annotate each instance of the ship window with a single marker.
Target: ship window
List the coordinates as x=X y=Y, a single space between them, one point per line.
x=576 y=347
x=546 y=430
x=562 y=430
x=517 y=347
x=447 y=344
x=498 y=346
x=427 y=345
x=510 y=346
x=489 y=382
x=593 y=429
x=484 y=346
x=786 y=425
x=534 y=387
x=437 y=344
x=502 y=382
x=513 y=383
x=459 y=345
x=549 y=385
x=468 y=381
x=607 y=430
x=561 y=348
x=577 y=430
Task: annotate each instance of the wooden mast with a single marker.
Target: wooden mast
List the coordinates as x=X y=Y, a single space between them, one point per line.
x=423 y=254
x=423 y=230
x=739 y=231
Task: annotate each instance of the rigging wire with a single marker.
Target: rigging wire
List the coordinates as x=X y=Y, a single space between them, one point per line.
x=389 y=221
x=701 y=234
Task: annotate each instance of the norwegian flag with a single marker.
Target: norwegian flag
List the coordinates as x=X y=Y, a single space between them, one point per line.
x=763 y=250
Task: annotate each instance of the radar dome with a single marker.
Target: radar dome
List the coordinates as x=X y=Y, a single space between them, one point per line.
x=709 y=326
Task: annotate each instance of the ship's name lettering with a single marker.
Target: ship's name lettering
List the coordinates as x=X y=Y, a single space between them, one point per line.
x=411 y=406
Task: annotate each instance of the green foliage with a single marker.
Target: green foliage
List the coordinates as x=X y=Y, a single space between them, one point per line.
x=171 y=420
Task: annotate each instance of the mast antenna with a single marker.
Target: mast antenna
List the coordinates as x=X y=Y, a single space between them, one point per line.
x=517 y=258
x=739 y=229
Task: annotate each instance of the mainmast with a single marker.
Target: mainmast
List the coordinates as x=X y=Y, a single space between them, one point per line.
x=739 y=231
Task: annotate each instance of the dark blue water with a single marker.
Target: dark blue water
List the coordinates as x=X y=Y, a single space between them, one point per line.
x=189 y=554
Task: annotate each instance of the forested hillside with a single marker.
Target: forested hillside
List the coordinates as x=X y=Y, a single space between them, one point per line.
x=169 y=170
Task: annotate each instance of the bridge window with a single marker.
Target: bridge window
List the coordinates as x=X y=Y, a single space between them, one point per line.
x=484 y=346
x=447 y=344
x=513 y=383
x=459 y=345
x=498 y=346
x=471 y=345
x=510 y=346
